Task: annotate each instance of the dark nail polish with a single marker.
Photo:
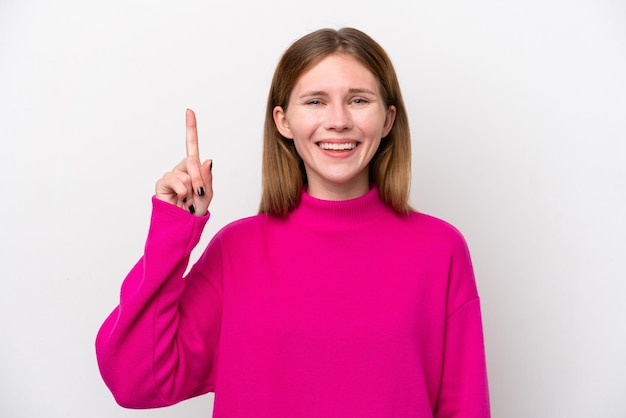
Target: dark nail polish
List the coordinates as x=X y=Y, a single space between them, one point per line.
x=184 y=200
x=192 y=210
x=211 y=166
x=200 y=191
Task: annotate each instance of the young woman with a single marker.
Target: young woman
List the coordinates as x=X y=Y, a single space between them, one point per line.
x=336 y=300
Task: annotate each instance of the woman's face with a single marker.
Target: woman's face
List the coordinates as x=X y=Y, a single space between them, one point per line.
x=336 y=118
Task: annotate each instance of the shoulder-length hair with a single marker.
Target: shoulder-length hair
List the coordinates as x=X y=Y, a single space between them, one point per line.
x=283 y=170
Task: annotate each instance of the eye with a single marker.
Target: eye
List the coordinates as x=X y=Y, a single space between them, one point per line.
x=314 y=102
x=359 y=100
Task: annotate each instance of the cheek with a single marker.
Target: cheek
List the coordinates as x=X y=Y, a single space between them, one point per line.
x=303 y=127
x=373 y=127
x=374 y=149
x=372 y=120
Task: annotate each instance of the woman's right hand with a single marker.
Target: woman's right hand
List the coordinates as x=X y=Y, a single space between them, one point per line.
x=190 y=184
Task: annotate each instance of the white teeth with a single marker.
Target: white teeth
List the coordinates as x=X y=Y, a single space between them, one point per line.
x=337 y=147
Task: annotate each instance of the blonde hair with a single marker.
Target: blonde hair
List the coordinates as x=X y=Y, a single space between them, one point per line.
x=283 y=169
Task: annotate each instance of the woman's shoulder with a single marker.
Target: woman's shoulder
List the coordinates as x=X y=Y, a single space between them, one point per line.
x=434 y=228
x=244 y=227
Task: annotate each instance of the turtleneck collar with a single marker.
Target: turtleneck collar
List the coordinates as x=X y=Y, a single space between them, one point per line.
x=365 y=208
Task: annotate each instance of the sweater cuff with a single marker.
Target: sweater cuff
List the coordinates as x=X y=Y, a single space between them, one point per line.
x=166 y=211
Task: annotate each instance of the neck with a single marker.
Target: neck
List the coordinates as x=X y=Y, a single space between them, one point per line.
x=357 y=187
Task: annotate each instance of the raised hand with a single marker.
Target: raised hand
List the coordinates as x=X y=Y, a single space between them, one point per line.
x=190 y=184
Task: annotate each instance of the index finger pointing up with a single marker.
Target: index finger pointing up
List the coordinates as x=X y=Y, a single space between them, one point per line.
x=192 y=135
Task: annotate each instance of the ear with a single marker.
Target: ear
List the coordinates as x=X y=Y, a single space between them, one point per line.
x=390 y=118
x=280 y=120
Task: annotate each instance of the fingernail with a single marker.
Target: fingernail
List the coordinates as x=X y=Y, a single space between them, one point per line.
x=211 y=166
x=200 y=191
x=192 y=210
x=184 y=200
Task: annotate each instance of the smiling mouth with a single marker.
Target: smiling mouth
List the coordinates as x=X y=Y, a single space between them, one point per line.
x=345 y=146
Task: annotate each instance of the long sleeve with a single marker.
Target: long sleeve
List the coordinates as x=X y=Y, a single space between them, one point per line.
x=464 y=390
x=158 y=346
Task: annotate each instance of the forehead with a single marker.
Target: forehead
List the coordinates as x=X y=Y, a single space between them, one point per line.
x=337 y=71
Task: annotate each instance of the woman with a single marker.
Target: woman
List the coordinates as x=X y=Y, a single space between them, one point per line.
x=337 y=300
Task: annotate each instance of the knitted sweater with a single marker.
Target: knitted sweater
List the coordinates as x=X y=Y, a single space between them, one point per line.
x=342 y=309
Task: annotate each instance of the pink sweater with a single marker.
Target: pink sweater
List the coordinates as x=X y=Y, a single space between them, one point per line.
x=343 y=309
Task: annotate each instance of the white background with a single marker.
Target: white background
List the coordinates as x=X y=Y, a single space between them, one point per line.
x=518 y=112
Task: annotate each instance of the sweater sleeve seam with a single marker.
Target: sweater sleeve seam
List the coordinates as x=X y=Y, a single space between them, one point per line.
x=462 y=307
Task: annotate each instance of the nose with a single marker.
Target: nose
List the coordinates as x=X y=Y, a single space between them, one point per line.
x=338 y=118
